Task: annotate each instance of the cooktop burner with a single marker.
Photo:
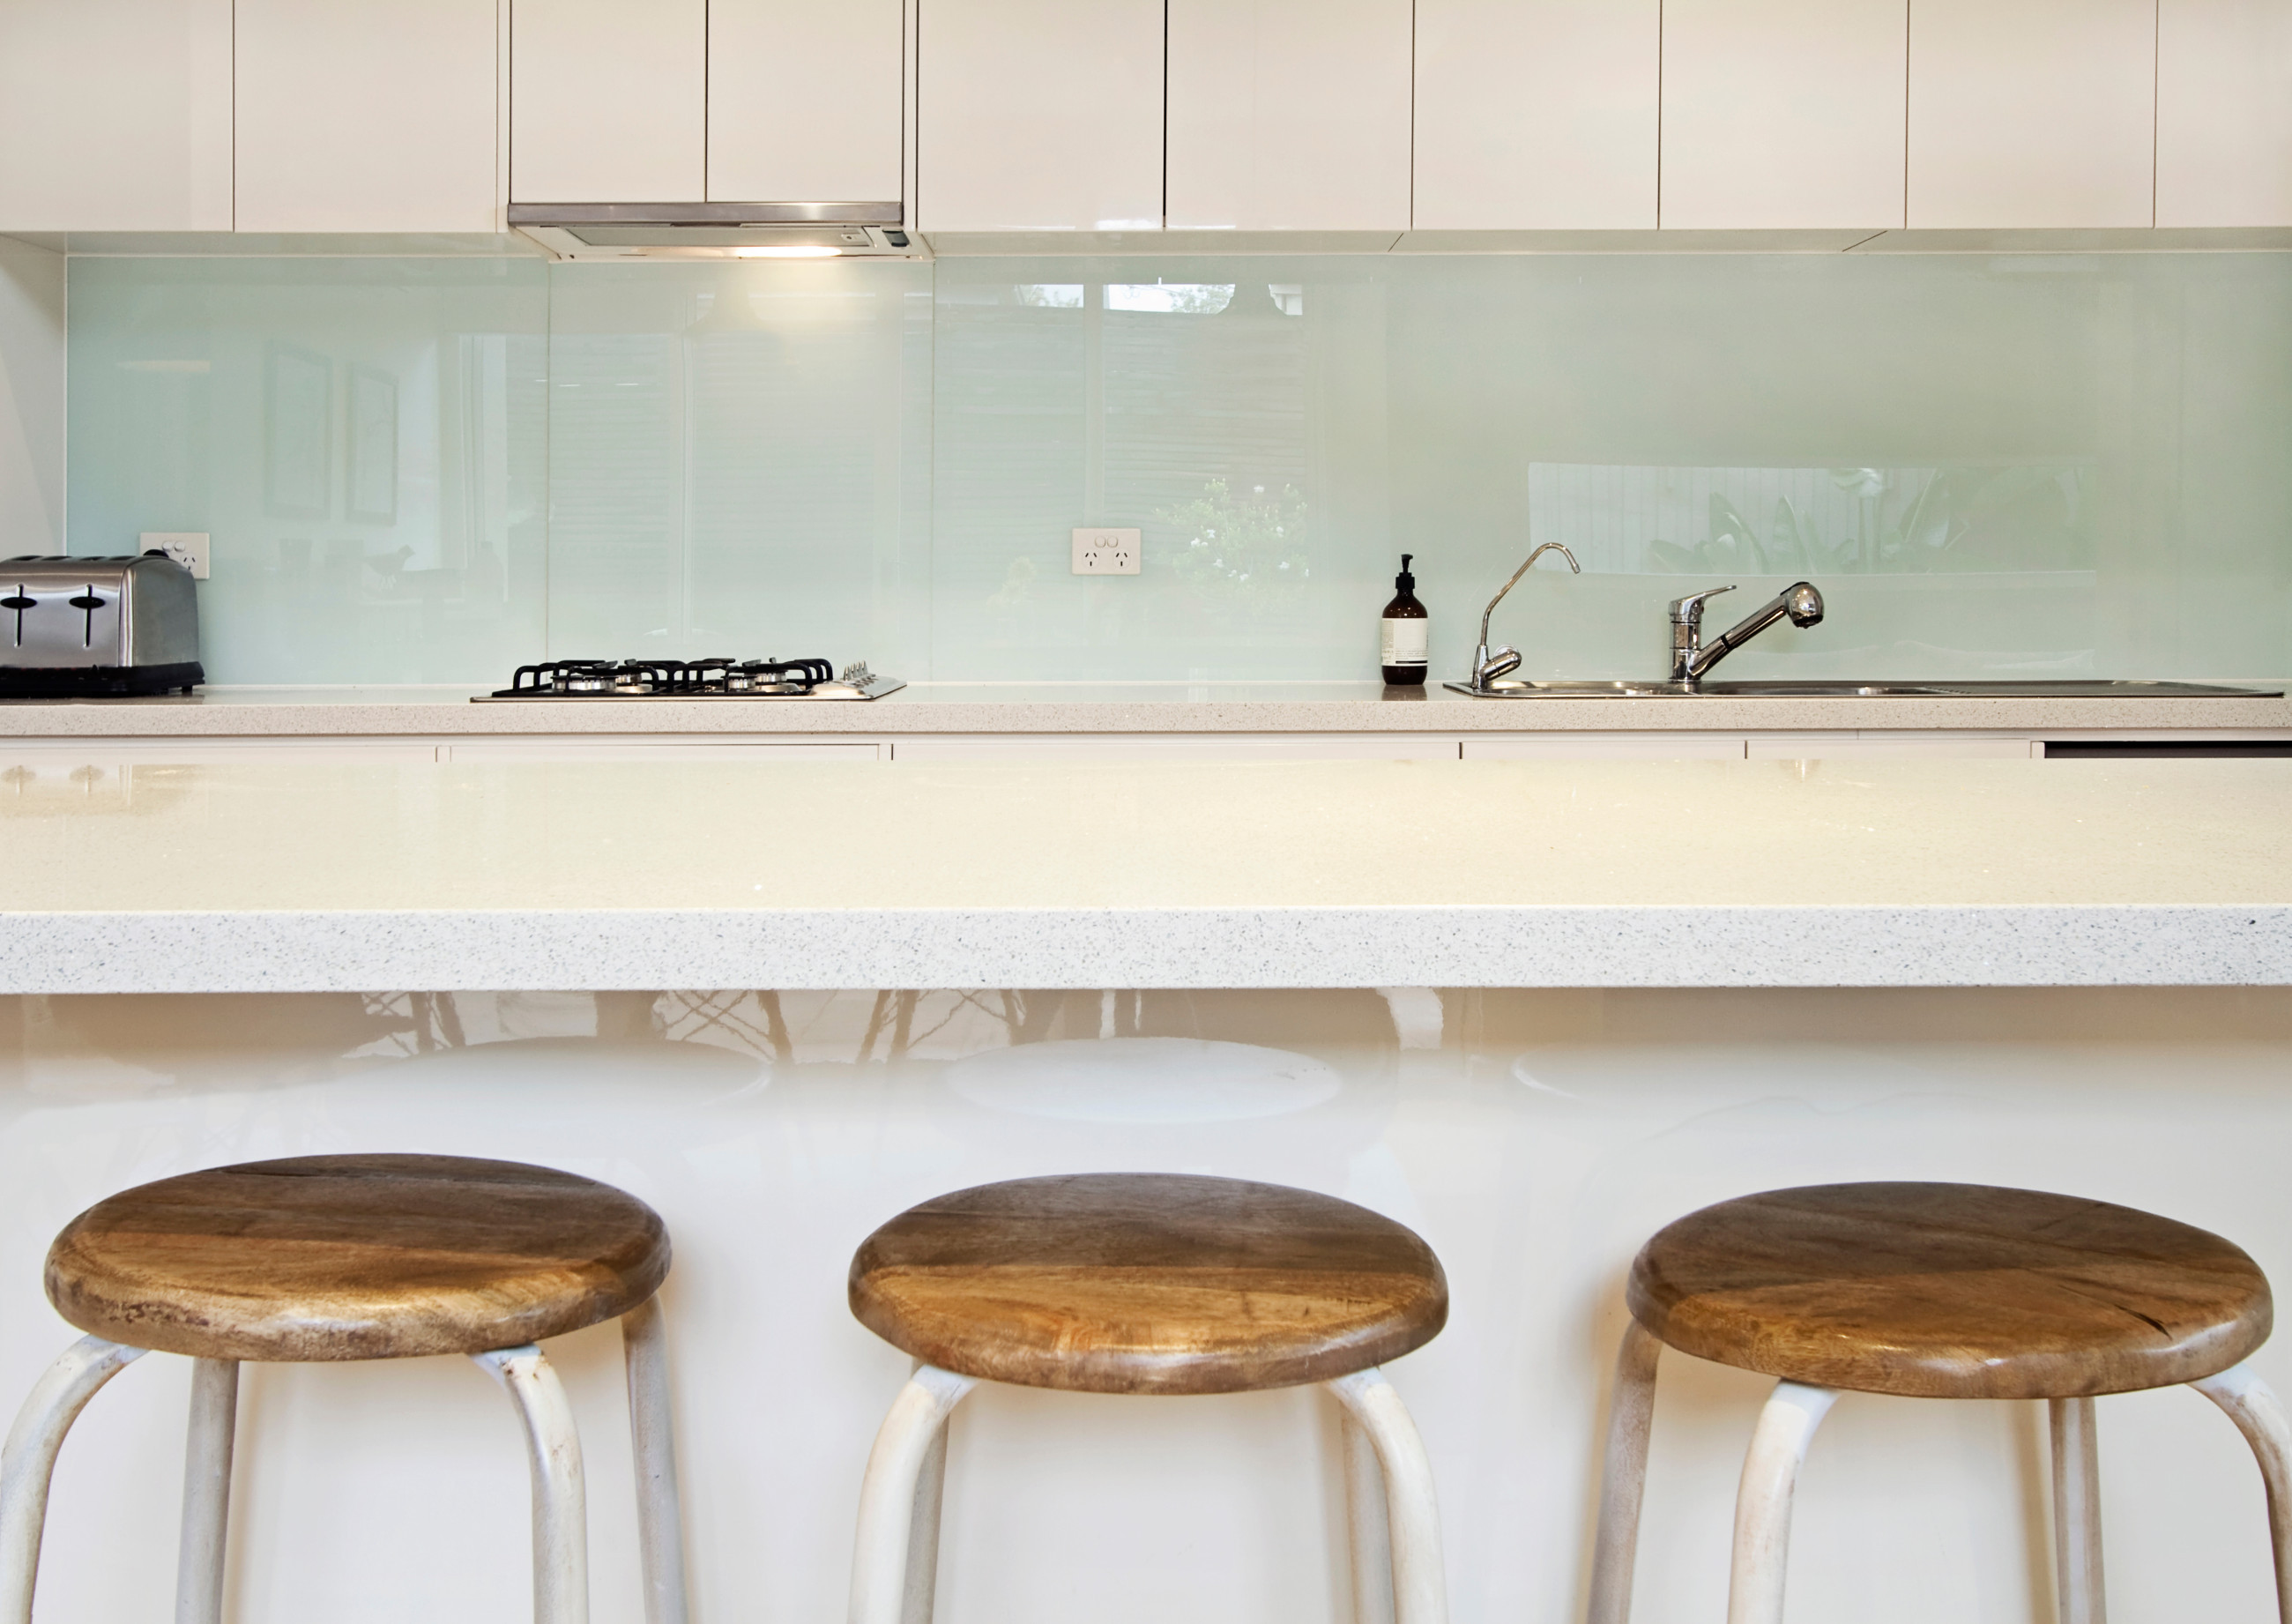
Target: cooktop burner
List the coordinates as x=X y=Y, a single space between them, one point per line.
x=693 y=679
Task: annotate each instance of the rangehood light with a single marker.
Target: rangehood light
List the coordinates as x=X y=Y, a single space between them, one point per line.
x=785 y=253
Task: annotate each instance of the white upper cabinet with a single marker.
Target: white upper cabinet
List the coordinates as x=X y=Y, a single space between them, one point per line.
x=2032 y=113
x=1038 y=114
x=115 y=116
x=2224 y=113
x=1288 y=114
x=608 y=101
x=804 y=101
x=1783 y=114
x=367 y=115
x=1537 y=115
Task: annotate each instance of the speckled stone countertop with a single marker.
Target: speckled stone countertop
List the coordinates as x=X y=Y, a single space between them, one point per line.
x=1320 y=874
x=1092 y=708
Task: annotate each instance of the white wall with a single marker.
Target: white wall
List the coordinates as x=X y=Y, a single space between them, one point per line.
x=31 y=400
x=1535 y=1148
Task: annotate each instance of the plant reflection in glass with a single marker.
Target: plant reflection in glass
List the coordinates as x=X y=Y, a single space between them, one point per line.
x=1248 y=549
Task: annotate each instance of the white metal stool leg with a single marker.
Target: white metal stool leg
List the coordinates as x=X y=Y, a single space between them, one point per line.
x=1370 y=1526
x=207 y=1491
x=1762 y=1503
x=920 y=1594
x=888 y=1493
x=652 y=1440
x=561 y=1521
x=2076 y=1512
x=29 y=1461
x=2260 y=1418
x=1420 y=1590
x=1623 y=1480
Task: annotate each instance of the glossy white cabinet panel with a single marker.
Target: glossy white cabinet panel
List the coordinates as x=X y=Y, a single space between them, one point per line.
x=608 y=100
x=1608 y=746
x=1848 y=747
x=1783 y=114
x=1537 y=115
x=115 y=116
x=1038 y=114
x=2032 y=113
x=368 y=115
x=804 y=101
x=1288 y=114
x=649 y=750
x=32 y=398
x=1176 y=746
x=2224 y=113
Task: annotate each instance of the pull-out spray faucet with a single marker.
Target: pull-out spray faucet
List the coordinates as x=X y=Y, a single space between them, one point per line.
x=1691 y=656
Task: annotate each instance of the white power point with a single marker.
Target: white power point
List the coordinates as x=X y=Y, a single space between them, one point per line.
x=1106 y=552
x=188 y=548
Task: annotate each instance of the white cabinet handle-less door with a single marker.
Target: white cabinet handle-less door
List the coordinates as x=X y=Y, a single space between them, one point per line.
x=368 y=115
x=1537 y=115
x=804 y=101
x=115 y=116
x=1038 y=114
x=2224 y=113
x=1783 y=114
x=1289 y=114
x=608 y=100
x=2032 y=113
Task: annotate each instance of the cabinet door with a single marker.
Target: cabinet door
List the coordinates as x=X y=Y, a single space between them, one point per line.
x=1896 y=747
x=1038 y=114
x=366 y=115
x=2032 y=113
x=1288 y=114
x=803 y=101
x=1608 y=746
x=467 y=750
x=1537 y=115
x=1173 y=747
x=2224 y=113
x=1781 y=114
x=115 y=116
x=608 y=100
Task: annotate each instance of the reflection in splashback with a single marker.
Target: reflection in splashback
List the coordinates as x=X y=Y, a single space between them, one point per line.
x=433 y=469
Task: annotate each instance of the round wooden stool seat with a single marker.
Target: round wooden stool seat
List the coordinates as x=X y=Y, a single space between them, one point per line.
x=1136 y=1282
x=328 y=1258
x=1950 y=1291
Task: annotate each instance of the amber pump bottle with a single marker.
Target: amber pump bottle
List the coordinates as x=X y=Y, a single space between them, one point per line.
x=1403 y=632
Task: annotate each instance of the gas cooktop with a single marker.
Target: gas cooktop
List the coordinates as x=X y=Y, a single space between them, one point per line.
x=692 y=679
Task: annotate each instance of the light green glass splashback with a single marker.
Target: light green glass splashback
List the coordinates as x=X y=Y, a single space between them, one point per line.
x=433 y=470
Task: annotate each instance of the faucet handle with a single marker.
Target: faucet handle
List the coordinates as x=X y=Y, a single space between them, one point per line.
x=1689 y=610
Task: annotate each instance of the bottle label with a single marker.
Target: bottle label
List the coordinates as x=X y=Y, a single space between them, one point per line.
x=1403 y=642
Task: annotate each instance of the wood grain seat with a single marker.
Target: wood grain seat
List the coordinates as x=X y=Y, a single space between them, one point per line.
x=1950 y=1291
x=1124 y=1282
x=340 y=1258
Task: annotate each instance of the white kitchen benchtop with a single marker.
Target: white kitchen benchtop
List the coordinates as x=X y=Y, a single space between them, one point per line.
x=1346 y=874
x=1087 y=708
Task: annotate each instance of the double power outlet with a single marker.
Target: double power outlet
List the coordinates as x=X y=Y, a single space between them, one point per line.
x=1103 y=552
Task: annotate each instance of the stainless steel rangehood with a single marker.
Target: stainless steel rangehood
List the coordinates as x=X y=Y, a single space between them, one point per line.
x=717 y=230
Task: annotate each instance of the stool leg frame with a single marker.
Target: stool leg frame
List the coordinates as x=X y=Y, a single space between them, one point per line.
x=1420 y=1584
x=206 y=1491
x=652 y=1437
x=2080 y=1595
x=560 y=1524
x=1623 y=1482
x=29 y=1461
x=1762 y=1503
x=1369 y=1523
x=911 y=1435
x=896 y=1551
x=2260 y=1418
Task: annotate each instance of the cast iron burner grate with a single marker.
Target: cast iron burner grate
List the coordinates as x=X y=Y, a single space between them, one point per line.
x=714 y=678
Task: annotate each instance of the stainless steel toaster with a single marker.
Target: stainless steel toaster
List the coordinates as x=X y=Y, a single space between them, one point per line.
x=73 y=627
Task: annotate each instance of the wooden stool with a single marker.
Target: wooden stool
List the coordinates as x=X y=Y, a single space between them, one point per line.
x=348 y=1258
x=1148 y=1283
x=1953 y=1292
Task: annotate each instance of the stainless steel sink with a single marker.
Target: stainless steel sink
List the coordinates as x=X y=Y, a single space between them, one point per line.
x=2076 y=688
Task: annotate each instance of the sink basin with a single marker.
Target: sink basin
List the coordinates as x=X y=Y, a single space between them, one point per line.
x=2071 y=687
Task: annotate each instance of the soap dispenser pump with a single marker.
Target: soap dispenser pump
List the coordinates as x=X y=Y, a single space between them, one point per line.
x=1404 y=631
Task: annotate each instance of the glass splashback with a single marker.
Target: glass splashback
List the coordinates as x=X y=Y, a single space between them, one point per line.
x=432 y=470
